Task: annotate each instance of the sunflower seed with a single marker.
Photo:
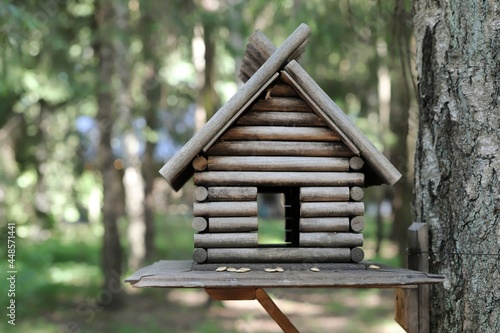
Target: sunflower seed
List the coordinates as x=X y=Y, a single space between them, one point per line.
x=315 y=269
x=242 y=270
x=232 y=269
x=270 y=270
x=221 y=269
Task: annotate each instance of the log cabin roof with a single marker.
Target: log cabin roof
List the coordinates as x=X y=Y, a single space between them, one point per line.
x=262 y=66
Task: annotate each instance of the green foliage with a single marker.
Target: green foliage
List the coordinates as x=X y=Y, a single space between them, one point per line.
x=49 y=68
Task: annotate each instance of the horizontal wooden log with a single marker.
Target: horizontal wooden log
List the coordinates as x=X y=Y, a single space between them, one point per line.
x=267 y=178
x=233 y=224
x=317 y=109
x=330 y=239
x=280 y=133
x=209 y=240
x=199 y=224
x=274 y=118
x=280 y=148
x=357 y=254
x=283 y=104
x=281 y=89
x=200 y=163
x=325 y=209
x=357 y=224
x=312 y=194
x=356 y=163
x=200 y=194
x=279 y=255
x=356 y=193
x=232 y=193
x=324 y=224
x=278 y=163
x=211 y=141
x=200 y=256
x=222 y=209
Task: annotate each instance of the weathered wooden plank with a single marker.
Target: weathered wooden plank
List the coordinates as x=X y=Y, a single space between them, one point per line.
x=324 y=224
x=222 y=209
x=280 y=148
x=324 y=209
x=282 y=104
x=267 y=178
x=233 y=224
x=357 y=224
x=281 y=89
x=407 y=309
x=232 y=193
x=279 y=317
x=378 y=161
x=276 y=118
x=274 y=255
x=418 y=246
x=199 y=224
x=231 y=294
x=180 y=273
x=229 y=239
x=357 y=254
x=311 y=194
x=278 y=163
x=280 y=133
x=356 y=193
x=175 y=168
x=330 y=239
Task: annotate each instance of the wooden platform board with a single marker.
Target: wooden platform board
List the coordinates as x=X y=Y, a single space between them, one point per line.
x=180 y=274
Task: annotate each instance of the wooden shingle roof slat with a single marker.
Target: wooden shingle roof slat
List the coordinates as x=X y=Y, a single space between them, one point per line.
x=377 y=161
x=178 y=168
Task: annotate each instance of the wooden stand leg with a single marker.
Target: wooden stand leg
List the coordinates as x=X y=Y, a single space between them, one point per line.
x=239 y=294
x=412 y=304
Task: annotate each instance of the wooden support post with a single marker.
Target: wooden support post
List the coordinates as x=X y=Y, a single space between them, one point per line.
x=412 y=305
x=240 y=294
x=279 y=317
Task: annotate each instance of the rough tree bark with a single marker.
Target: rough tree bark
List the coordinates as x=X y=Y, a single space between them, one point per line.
x=457 y=159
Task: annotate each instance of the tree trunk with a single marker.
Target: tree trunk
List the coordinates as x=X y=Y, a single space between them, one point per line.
x=111 y=250
x=457 y=159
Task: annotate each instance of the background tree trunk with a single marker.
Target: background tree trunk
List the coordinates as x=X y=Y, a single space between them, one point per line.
x=457 y=159
x=112 y=250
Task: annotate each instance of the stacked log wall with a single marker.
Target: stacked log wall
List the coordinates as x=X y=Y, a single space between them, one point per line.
x=279 y=142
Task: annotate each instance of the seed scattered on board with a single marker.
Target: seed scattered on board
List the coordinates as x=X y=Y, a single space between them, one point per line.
x=277 y=269
x=314 y=269
x=232 y=269
x=374 y=267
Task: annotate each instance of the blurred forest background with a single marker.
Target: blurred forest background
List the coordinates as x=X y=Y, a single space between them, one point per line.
x=95 y=95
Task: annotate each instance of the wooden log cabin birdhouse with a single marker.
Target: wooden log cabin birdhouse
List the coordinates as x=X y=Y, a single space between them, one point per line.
x=280 y=133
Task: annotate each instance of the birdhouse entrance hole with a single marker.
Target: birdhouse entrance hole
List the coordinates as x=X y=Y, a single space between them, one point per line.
x=278 y=217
